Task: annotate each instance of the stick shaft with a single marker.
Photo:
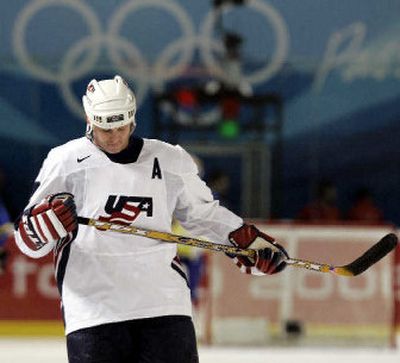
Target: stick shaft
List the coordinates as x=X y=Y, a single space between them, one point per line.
x=194 y=242
x=165 y=237
x=373 y=255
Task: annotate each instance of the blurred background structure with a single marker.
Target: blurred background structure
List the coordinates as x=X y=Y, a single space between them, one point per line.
x=315 y=82
x=274 y=96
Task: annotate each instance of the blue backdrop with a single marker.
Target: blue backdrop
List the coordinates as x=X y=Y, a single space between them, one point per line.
x=336 y=65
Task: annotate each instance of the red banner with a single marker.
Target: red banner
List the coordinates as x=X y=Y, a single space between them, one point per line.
x=28 y=290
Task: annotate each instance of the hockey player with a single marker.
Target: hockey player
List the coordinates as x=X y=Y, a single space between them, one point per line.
x=125 y=298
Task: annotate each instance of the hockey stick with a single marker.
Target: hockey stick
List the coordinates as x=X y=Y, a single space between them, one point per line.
x=359 y=265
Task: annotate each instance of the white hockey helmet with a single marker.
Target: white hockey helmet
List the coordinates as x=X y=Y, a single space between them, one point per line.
x=109 y=103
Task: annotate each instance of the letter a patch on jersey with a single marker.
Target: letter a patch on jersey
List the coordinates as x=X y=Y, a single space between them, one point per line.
x=156 y=170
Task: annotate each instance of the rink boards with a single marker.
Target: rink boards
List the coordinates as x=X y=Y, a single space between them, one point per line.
x=297 y=306
x=301 y=306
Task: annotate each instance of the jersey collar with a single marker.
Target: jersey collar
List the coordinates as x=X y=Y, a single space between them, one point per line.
x=130 y=154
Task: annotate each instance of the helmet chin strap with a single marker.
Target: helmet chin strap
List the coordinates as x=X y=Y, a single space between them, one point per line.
x=133 y=127
x=89 y=132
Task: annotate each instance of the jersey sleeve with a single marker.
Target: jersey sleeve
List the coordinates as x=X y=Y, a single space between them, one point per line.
x=196 y=208
x=50 y=180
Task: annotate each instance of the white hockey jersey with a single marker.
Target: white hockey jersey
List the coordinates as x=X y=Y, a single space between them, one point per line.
x=108 y=277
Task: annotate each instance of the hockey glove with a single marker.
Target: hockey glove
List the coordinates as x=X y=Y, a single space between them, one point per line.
x=49 y=221
x=270 y=256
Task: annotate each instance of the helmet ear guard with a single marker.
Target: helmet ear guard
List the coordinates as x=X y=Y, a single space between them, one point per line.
x=109 y=103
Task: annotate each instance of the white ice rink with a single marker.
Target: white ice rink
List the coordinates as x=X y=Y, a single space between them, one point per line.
x=53 y=351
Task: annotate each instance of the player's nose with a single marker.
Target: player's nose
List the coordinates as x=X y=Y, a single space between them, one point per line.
x=113 y=134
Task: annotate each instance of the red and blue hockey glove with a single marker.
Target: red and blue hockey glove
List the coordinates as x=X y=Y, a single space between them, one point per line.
x=49 y=221
x=270 y=256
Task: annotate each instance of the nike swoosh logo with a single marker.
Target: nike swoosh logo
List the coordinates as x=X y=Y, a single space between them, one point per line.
x=79 y=160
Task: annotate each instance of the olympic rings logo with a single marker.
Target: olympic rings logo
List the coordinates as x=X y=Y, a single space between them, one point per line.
x=172 y=62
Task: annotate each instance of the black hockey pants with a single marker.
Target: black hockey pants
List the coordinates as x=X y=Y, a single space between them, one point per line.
x=169 y=339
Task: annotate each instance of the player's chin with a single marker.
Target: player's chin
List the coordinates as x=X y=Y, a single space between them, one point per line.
x=113 y=149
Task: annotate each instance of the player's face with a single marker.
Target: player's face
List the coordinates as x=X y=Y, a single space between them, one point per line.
x=112 y=141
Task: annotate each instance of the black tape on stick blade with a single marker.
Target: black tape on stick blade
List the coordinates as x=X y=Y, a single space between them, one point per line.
x=373 y=255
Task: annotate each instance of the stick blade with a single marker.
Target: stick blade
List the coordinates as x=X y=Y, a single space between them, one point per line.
x=371 y=256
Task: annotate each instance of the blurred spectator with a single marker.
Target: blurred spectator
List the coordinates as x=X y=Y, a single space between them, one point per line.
x=324 y=207
x=364 y=208
x=6 y=228
x=191 y=258
x=219 y=182
x=5 y=232
x=200 y=165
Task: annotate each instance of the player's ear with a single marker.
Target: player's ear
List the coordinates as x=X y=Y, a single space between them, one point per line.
x=133 y=127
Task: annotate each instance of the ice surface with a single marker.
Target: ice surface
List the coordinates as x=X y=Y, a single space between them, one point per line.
x=53 y=351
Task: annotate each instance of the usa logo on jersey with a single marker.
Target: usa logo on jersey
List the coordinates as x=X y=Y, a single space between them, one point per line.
x=125 y=209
